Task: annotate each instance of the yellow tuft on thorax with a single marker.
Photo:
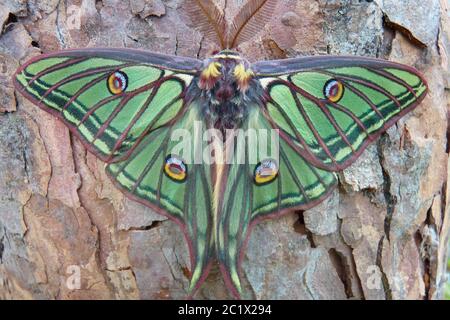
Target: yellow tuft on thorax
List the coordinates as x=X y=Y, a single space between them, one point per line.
x=209 y=76
x=242 y=76
x=212 y=70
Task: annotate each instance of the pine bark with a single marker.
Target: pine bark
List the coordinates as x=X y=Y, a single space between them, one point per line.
x=381 y=235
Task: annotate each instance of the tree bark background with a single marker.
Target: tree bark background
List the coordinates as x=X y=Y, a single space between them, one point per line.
x=381 y=235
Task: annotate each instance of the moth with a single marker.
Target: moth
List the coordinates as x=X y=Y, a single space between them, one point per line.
x=124 y=105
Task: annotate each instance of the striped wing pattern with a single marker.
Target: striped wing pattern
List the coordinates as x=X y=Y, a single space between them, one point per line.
x=131 y=130
x=74 y=88
x=327 y=110
x=332 y=134
x=188 y=203
x=299 y=185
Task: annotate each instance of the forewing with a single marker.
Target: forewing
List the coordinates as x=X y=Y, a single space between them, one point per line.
x=77 y=86
x=329 y=125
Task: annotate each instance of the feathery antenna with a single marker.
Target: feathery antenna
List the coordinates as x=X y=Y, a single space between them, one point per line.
x=249 y=21
x=208 y=19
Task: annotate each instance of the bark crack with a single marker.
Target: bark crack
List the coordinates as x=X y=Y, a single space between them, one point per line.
x=50 y=175
x=428 y=251
x=153 y=225
x=300 y=227
x=176 y=44
x=305 y=284
x=59 y=33
x=390 y=199
x=2 y=246
x=200 y=47
x=342 y=268
x=384 y=278
x=405 y=31
x=358 y=278
x=98 y=243
x=12 y=18
x=127 y=268
x=25 y=164
x=174 y=277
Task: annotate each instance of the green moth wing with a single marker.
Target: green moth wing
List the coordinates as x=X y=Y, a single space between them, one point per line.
x=109 y=98
x=248 y=195
x=128 y=107
x=327 y=110
x=124 y=105
x=331 y=108
x=174 y=184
